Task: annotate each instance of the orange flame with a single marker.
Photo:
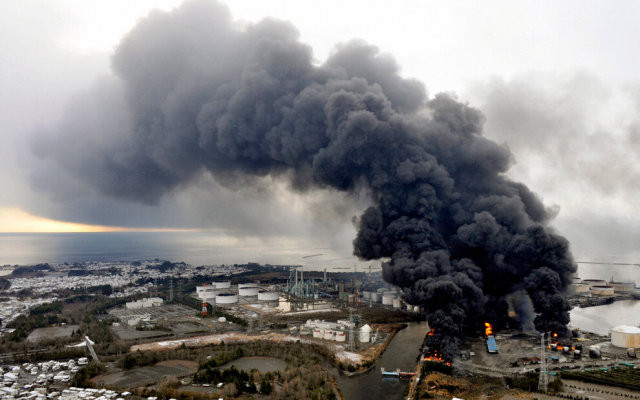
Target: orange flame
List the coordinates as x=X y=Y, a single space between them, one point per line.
x=555 y=334
x=488 y=330
x=430 y=332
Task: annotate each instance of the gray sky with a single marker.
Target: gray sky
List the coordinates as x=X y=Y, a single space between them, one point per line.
x=557 y=82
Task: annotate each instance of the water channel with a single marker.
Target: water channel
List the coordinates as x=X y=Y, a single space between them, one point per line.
x=401 y=353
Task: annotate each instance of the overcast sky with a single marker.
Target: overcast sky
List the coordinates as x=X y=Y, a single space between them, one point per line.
x=557 y=82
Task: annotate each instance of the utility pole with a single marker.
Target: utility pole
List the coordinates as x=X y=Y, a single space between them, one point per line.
x=171 y=289
x=543 y=381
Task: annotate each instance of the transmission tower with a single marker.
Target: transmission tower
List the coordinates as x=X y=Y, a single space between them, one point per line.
x=171 y=289
x=543 y=381
x=352 y=341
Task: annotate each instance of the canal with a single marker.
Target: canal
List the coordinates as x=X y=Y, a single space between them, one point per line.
x=401 y=353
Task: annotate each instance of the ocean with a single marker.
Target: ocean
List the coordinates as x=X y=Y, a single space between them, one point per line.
x=192 y=247
x=204 y=248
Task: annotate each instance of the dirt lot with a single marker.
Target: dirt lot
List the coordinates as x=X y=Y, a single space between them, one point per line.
x=55 y=332
x=150 y=374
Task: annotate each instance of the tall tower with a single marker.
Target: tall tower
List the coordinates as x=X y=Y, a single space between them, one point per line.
x=204 y=309
x=543 y=381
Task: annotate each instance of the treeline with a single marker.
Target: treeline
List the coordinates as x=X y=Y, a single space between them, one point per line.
x=624 y=377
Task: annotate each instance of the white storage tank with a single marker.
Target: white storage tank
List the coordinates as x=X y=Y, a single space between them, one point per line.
x=387 y=299
x=248 y=291
x=594 y=282
x=226 y=298
x=375 y=297
x=366 y=294
x=340 y=336
x=246 y=285
x=365 y=334
x=265 y=295
x=328 y=334
x=222 y=284
x=579 y=289
x=318 y=333
x=602 y=291
x=625 y=336
x=622 y=287
x=382 y=290
x=397 y=303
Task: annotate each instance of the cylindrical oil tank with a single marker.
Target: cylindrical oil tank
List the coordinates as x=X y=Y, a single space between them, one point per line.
x=625 y=336
x=328 y=334
x=340 y=336
x=318 y=333
x=226 y=298
x=387 y=299
x=595 y=282
x=264 y=295
x=248 y=291
x=365 y=334
x=244 y=285
x=622 y=287
x=579 y=288
x=205 y=291
x=594 y=352
x=375 y=297
x=397 y=303
x=602 y=291
x=366 y=294
x=222 y=284
x=382 y=290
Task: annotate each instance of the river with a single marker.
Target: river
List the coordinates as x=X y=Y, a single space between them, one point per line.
x=401 y=353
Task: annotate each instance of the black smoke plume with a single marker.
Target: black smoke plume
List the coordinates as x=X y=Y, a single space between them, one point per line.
x=193 y=92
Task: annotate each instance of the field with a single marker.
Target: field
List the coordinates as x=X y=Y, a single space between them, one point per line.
x=147 y=375
x=55 y=332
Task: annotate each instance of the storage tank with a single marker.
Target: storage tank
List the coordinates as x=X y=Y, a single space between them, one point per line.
x=246 y=285
x=397 y=303
x=387 y=299
x=248 y=291
x=625 y=336
x=622 y=287
x=365 y=334
x=366 y=294
x=375 y=297
x=602 y=291
x=318 y=333
x=352 y=298
x=222 y=284
x=226 y=298
x=328 y=334
x=265 y=295
x=382 y=290
x=594 y=282
x=579 y=289
x=340 y=336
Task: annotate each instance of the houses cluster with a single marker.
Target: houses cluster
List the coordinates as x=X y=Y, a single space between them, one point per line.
x=11 y=307
x=33 y=380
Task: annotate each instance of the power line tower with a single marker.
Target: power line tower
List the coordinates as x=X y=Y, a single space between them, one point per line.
x=171 y=289
x=543 y=381
x=352 y=341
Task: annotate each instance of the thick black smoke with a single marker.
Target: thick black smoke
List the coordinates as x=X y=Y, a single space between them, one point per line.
x=201 y=94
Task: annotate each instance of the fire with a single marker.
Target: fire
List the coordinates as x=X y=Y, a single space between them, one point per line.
x=555 y=335
x=488 y=330
x=431 y=332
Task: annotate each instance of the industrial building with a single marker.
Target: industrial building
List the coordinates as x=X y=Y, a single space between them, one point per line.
x=144 y=303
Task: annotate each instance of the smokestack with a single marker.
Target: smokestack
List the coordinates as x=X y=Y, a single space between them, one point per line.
x=200 y=94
